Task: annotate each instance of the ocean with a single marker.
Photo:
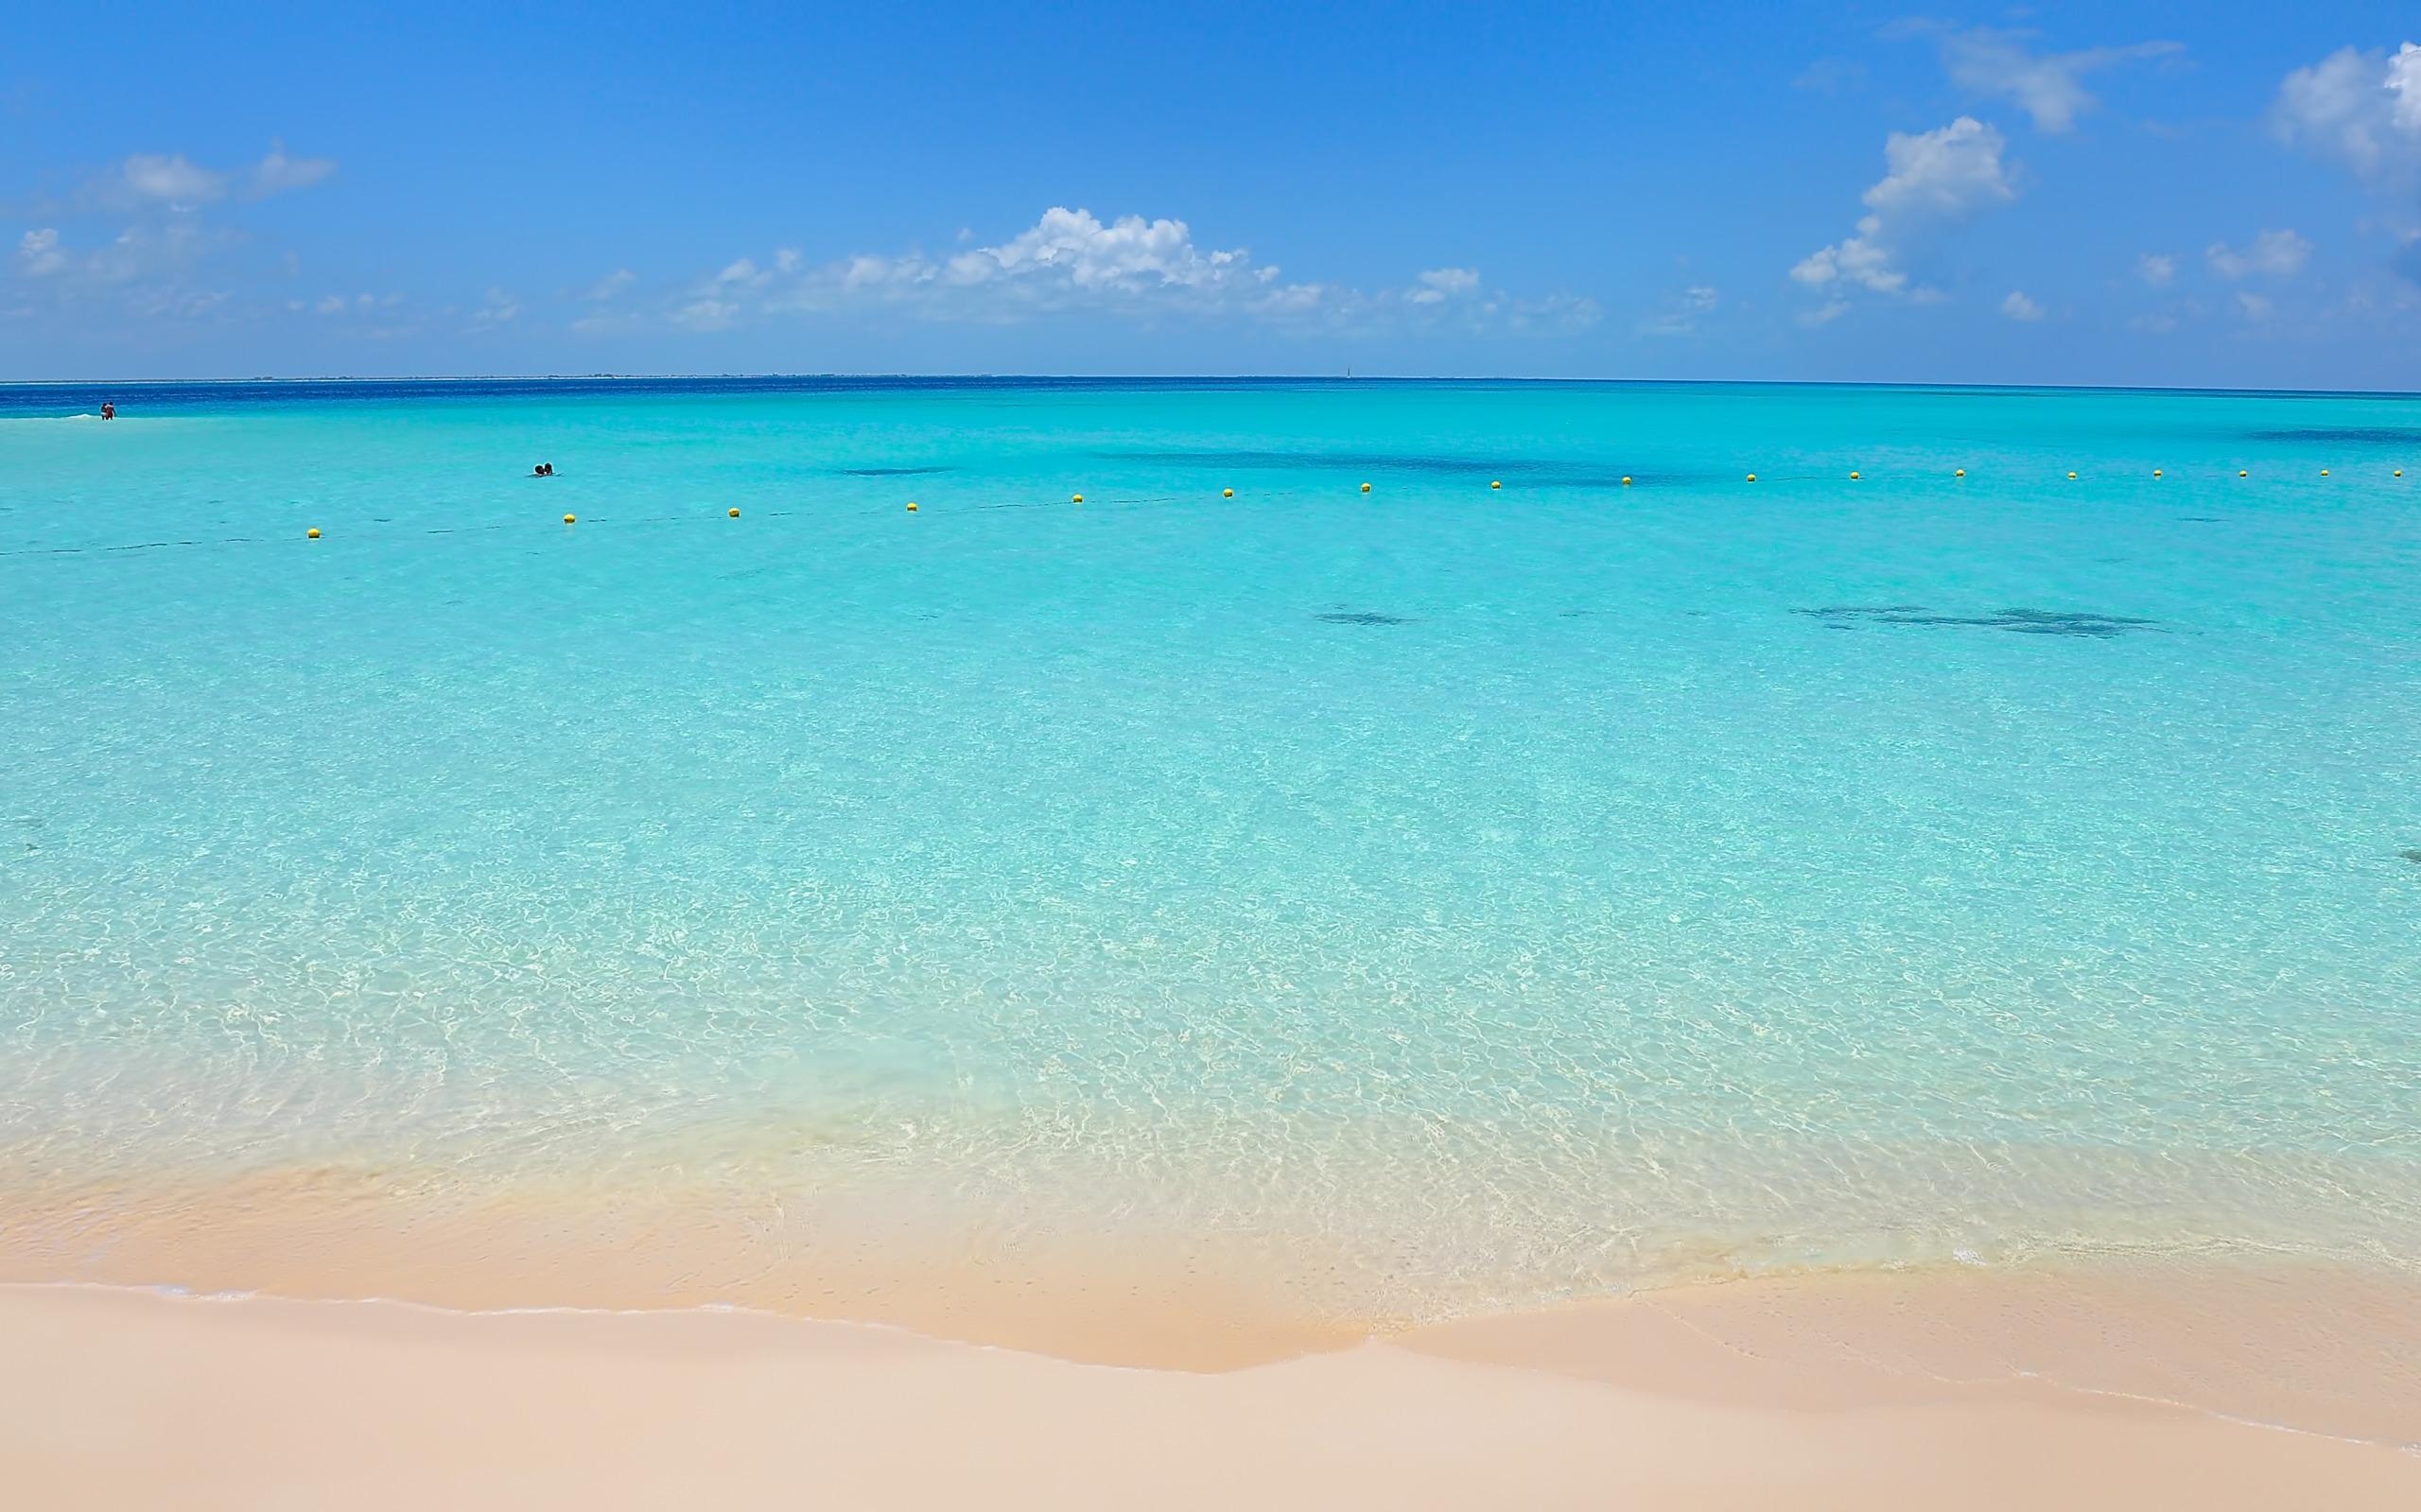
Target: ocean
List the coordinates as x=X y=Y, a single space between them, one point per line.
x=1567 y=866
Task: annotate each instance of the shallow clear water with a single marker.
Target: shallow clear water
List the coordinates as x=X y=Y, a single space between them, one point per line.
x=1524 y=888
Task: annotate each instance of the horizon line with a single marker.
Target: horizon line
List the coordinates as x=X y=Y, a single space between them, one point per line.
x=1200 y=377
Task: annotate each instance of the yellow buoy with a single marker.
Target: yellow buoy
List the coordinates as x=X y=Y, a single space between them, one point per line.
x=1079 y=498
x=2072 y=478
x=912 y=505
x=313 y=532
x=2155 y=472
x=1494 y=483
x=2323 y=472
x=1963 y=472
x=1625 y=481
x=735 y=514
x=1752 y=477
x=2242 y=473
x=567 y=519
x=2399 y=472
x=1227 y=493
x=1852 y=476
x=1365 y=488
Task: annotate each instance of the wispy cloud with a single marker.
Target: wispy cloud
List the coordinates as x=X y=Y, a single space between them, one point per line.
x=2157 y=268
x=279 y=174
x=348 y=304
x=1439 y=285
x=1936 y=179
x=2049 y=87
x=147 y=250
x=173 y=181
x=39 y=254
x=2273 y=253
x=170 y=179
x=499 y=308
x=2019 y=307
x=166 y=209
x=1681 y=314
x=613 y=285
x=2360 y=109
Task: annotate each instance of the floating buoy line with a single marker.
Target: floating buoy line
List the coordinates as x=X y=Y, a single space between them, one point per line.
x=315 y=533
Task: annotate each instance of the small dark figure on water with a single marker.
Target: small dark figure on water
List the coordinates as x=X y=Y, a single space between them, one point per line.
x=109 y=411
x=543 y=470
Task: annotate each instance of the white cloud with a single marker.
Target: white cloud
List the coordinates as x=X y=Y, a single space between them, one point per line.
x=1441 y=283
x=2019 y=307
x=2253 y=306
x=41 y=253
x=1072 y=260
x=611 y=285
x=1073 y=249
x=169 y=227
x=2362 y=109
x=146 y=271
x=1937 y=178
x=153 y=180
x=706 y=314
x=2277 y=254
x=157 y=252
x=170 y=179
x=345 y=303
x=2047 y=86
x=2157 y=268
x=1948 y=171
x=1826 y=314
x=500 y=308
x=279 y=174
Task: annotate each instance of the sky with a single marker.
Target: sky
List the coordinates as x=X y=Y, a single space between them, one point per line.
x=2210 y=194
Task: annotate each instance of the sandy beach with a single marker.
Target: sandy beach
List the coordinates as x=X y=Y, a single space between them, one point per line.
x=1813 y=1394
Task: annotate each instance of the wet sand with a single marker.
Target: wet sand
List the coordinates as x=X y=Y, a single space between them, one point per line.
x=1820 y=1393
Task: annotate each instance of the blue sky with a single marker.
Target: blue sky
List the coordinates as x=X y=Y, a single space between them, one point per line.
x=2224 y=194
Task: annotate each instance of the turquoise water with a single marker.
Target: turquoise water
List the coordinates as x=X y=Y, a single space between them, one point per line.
x=1514 y=890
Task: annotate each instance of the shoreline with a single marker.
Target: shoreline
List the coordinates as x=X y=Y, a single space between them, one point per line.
x=1099 y=1287
x=2296 y=1345
x=1729 y=1396
x=1114 y=1285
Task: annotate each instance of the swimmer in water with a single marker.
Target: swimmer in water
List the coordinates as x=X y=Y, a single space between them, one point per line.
x=109 y=411
x=543 y=470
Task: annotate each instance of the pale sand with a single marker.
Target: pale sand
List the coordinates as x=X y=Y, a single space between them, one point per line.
x=1725 y=1397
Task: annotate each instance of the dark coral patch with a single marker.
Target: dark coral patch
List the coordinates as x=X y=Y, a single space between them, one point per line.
x=2016 y=622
